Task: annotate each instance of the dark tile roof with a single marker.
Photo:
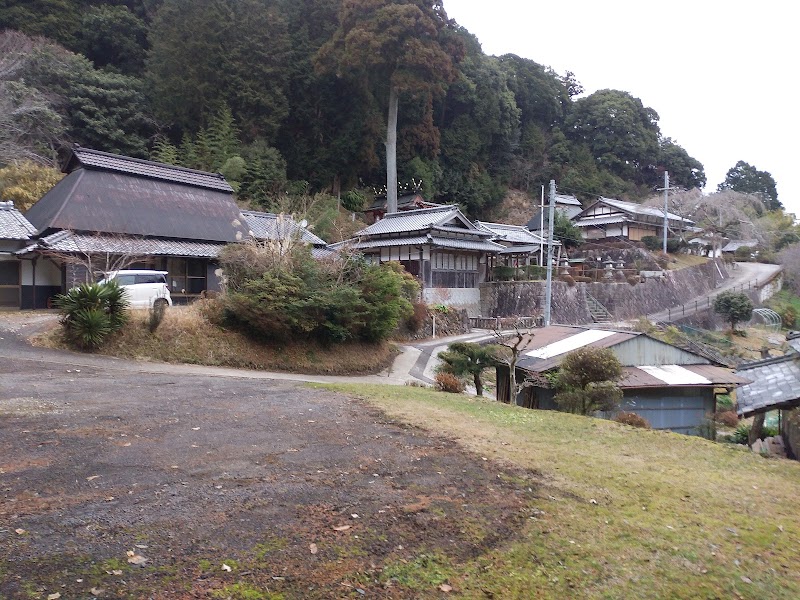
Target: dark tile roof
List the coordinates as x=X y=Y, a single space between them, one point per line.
x=775 y=384
x=424 y=219
x=70 y=242
x=109 y=201
x=269 y=226
x=94 y=159
x=13 y=226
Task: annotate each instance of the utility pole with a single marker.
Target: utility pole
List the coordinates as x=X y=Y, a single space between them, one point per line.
x=541 y=228
x=548 y=293
x=666 y=189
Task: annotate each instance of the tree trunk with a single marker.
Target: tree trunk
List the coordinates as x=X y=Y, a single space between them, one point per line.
x=756 y=429
x=391 y=152
x=478 y=384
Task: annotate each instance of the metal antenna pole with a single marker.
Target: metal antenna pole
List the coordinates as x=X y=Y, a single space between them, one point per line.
x=548 y=294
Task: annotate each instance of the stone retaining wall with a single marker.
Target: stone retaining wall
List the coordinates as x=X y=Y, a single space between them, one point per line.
x=624 y=301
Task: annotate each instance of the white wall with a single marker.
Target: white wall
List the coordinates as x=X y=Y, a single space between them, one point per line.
x=466 y=298
x=47 y=272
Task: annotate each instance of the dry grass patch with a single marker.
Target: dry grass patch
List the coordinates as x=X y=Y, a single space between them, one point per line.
x=185 y=336
x=680 y=260
x=620 y=512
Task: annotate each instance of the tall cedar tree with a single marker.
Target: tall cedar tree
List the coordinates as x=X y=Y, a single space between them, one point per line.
x=392 y=48
x=206 y=53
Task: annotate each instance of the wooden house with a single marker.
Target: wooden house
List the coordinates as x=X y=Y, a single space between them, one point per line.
x=441 y=247
x=154 y=215
x=607 y=218
x=565 y=204
x=17 y=275
x=521 y=247
x=671 y=387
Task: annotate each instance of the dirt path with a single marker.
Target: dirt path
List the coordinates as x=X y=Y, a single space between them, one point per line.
x=298 y=491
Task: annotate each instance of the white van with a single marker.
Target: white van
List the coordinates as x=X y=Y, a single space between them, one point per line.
x=144 y=289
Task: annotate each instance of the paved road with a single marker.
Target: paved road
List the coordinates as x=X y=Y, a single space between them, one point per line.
x=415 y=361
x=741 y=275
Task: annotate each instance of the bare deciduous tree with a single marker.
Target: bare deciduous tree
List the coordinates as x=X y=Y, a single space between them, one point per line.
x=513 y=345
x=95 y=255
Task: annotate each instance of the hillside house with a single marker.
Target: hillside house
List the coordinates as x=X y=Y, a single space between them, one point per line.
x=113 y=211
x=521 y=247
x=607 y=218
x=447 y=253
x=672 y=388
x=17 y=276
x=567 y=205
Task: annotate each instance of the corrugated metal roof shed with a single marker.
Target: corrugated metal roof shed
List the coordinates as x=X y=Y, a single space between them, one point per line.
x=550 y=345
x=678 y=375
x=14 y=226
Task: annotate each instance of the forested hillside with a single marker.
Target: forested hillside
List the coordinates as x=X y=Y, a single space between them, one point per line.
x=283 y=95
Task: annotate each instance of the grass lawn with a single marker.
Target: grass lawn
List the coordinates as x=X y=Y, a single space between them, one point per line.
x=679 y=260
x=618 y=512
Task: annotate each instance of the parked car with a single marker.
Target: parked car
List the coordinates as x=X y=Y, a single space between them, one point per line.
x=144 y=289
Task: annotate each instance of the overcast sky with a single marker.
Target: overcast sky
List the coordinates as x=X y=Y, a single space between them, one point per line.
x=723 y=76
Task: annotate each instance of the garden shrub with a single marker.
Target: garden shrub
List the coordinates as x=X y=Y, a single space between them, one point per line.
x=632 y=279
x=447 y=382
x=652 y=243
x=91 y=312
x=567 y=279
x=504 y=273
x=284 y=294
x=536 y=272
x=632 y=419
x=416 y=320
x=729 y=418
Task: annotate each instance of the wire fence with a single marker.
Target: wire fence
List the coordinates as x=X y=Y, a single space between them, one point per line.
x=695 y=306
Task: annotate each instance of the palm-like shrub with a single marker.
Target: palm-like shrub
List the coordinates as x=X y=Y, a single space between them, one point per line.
x=92 y=311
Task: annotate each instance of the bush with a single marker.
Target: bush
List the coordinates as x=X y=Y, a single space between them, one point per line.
x=632 y=279
x=504 y=273
x=416 y=319
x=536 y=272
x=91 y=312
x=567 y=279
x=724 y=402
x=674 y=245
x=632 y=419
x=652 y=243
x=285 y=294
x=728 y=418
x=788 y=316
x=447 y=382
x=741 y=435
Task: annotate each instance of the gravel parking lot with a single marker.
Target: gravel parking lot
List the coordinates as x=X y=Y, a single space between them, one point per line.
x=121 y=483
